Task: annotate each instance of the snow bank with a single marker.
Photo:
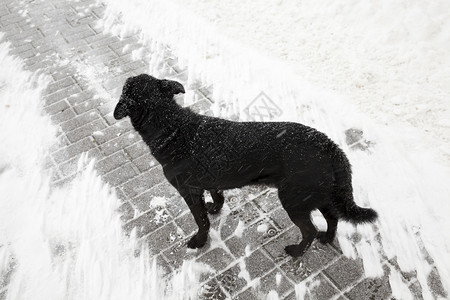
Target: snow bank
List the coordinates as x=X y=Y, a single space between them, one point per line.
x=65 y=242
x=313 y=57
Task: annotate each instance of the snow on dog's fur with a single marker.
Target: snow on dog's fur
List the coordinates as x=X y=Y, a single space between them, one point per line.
x=199 y=153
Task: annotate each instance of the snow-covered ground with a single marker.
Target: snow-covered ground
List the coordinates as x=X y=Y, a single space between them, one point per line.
x=64 y=242
x=381 y=68
x=378 y=67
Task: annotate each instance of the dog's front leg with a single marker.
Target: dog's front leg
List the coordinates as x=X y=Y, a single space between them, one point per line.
x=196 y=203
x=199 y=212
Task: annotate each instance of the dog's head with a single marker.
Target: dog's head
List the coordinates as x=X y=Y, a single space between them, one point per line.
x=143 y=90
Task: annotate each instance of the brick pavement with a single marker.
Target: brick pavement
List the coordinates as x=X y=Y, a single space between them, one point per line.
x=88 y=68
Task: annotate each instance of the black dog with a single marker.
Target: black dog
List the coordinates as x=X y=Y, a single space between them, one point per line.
x=199 y=153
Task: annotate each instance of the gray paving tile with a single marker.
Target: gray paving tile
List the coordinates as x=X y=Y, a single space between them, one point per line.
x=267 y=202
x=86 y=130
x=143 y=182
x=111 y=162
x=148 y=222
x=230 y=280
x=248 y=294
x=345 y=272
x=80 y=120
x=315 y=259
x=72 y=150
x=119 y=143
x=163 y=238
x=275 y=281
x=138 y=149
x=145 y=162
x=120 y=175
x=281 y=218
x=217 y=258
x=258 y=264
x=164 y=190
x=126 y=212
x=211 y=291
x=321 y=289
x=435 y=284
x=377 y=288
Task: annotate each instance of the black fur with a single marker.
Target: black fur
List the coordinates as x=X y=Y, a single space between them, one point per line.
x=199 y=153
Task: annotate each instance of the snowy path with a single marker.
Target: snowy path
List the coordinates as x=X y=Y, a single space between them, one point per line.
x=63 y=226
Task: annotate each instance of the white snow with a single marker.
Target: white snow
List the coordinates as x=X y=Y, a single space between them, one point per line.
x=399 y=288
x=239 y=229
x=65 y=242
x=262 y=228
x=380 y=67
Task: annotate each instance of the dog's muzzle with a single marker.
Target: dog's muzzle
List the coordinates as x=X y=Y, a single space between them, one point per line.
x=121 y=110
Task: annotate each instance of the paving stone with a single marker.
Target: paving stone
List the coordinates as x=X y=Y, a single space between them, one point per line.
x=416 y=290
x=72 y=150
x=80 y=97
x=281 y=218
x=70 y=167
x=145 y=162
x=216 y=258
x=3 y=294
x=142 y=182
x=119 y=143
x=163 y=238
x=267 y=202
x=230 y=281
x=345 y=272
x=275 y=281
x=377 y=288
x=86 y=130
x=321 y=289
x=435 y=284
x=137 y=150
x=114 y=131
x=187 y=223
x=164 y=190
x=7 y=271
x=57 y=107
x=120 y=175
x=148 y=222
x=88 y=105
x=248 y=294
x=178 y=254
x=258 y=264
x=314 y=260
x=111 y=162
x=63 y=116
x=59 y=85
x=211 y=291
x=245 y=214
x=80 y=120
x=253 y=237
x=126 y=211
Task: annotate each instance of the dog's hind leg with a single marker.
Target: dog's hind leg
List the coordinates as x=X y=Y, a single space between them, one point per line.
x=332 y=221
x=216 y=206
x=308 y=230
x=298 y=205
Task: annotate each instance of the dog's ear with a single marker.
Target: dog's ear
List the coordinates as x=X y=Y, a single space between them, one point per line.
x=170 y=87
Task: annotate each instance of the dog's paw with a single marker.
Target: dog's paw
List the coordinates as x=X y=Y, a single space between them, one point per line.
x=295 y=250
x=213 y=208
x=324 y=238
x=197 y=241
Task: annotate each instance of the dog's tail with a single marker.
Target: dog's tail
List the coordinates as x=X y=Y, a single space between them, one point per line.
x=343 y=191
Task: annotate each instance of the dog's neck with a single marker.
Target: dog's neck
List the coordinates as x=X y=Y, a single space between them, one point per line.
x=159 y=124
